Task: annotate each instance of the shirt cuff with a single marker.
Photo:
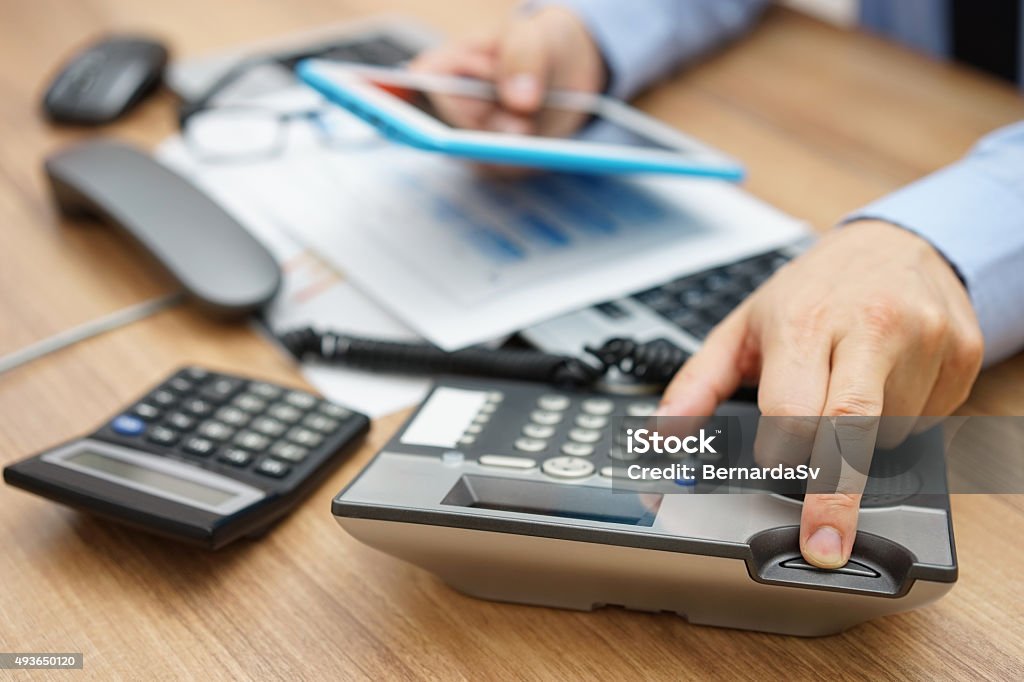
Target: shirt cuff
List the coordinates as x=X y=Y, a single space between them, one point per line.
x=976 y=221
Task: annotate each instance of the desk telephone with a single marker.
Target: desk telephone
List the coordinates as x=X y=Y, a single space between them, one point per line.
x=506 y=490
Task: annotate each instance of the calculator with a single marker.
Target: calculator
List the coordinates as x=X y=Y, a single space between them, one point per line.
x=203 y=457
x=513 y=491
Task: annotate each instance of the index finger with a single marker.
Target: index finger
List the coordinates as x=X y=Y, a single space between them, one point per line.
x=828 y=522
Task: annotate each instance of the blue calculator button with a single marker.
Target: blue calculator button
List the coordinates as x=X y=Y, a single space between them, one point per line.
x=128 y=425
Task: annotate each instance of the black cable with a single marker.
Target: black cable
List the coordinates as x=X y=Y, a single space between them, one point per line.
x=653 y=362
x=413 y=358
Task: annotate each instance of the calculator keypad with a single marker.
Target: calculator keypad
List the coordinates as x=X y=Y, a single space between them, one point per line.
x=233 y=425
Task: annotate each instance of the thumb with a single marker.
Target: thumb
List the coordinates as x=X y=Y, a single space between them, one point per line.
x=522 y=71
x=712 y=374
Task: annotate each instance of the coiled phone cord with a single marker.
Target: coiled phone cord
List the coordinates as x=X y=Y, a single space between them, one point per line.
x=653 y=362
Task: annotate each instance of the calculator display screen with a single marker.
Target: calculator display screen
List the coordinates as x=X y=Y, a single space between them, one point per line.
x=158 y=480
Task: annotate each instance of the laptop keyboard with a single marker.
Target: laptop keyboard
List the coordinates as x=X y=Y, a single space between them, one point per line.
x=697 y=303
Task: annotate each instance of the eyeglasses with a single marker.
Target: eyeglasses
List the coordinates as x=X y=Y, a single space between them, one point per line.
x=238 y=133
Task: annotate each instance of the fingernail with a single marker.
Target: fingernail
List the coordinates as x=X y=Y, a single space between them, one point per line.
x=825 y=548
x=523 y=88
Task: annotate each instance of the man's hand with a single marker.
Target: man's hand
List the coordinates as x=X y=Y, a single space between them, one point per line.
x=872 y=321
x=547 y=50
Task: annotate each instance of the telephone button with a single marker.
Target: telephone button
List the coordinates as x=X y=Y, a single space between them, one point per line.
x=591 y=421
x=538 y=431
x=553 y=402
x=568 y=467
x=585 y=436
x=851 y=568
x=530 y=444
x=578 y=449
x=598 y=406
x=545 y=417
x=506 y=462
x=641 y=409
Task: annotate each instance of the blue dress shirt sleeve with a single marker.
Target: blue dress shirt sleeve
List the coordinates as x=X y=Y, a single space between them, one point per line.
x=973 y=213
x=643 y=41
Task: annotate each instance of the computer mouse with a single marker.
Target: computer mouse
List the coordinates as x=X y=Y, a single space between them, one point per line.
x=104 y=80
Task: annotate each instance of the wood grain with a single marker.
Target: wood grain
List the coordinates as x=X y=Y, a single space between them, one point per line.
x=825 y=119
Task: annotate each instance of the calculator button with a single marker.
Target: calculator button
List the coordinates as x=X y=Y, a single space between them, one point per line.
x=249 y=402
x=578 y=449
x=180 y=384
x=591 y=421
x=268 y=426
x=250 y=440
x=530 y=444
x=236 y=456
x=198 y=407
x=467 y=440
x=272 y=468
x=507 y=462
x=475 y=429
x=181 y=421
x=538 y=431
x=215 y=430
x=196 y=373
x=289 y=451
x=265 y=390
x=285 y=413
x=553 y=402
x=300 y=399
x=585 y=435
x=545 y=417
x=321 y=423
x=232 y=416
x=199 y=446
x=641 y=409
x=489 y=408
x=482 y=418
x=567 y=467
x=146 y=411
x=128 y=425
x=495 y=396
x=162 y=398
x=334 y=411
x=305 y=437
x=608 y=472
x=598 y=406
x=161 y=435
x=220 y=390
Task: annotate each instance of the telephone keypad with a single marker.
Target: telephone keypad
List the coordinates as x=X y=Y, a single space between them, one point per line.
x=563 y=436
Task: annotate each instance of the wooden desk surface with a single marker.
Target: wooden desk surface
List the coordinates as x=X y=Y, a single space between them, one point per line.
x=826 y=120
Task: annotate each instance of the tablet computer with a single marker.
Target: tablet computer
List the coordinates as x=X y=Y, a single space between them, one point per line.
x=611 y=136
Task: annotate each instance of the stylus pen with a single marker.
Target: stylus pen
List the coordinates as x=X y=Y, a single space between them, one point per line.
x=101 y=325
